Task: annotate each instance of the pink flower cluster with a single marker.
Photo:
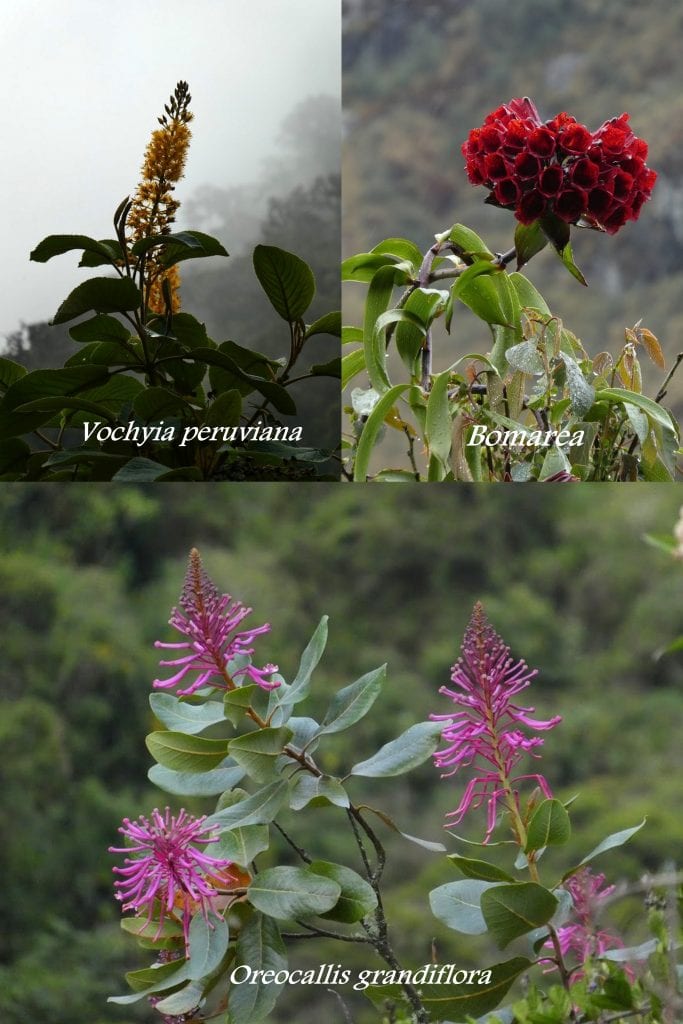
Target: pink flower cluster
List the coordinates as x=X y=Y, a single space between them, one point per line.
x=583 y=938
x=485 y=734
x=209 y=621
x=599 y=178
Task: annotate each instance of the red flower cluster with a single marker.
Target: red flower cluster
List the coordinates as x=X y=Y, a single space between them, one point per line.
x=560 y=166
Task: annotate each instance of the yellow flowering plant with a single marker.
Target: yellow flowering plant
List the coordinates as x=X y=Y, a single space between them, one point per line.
x=149 y=395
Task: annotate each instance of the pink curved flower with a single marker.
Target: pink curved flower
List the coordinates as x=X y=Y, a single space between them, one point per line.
x=583 y=938
x=166 y=867
x=209 y=620
x=486 y=734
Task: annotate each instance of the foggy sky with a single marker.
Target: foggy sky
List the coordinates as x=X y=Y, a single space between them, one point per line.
x=84 y=81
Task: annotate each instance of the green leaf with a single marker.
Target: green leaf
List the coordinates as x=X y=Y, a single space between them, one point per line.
x=439 y=425
x=256 y=751
x=211 y=783
x=329 y=369
x=554 y=462
x=159 y=403
x=610 y=843
x=103 y=294
x=357 y=896
x=581 y=393
x=376 y=303
x=376 y=348
x=458 y=905
x=481 y=869
x=179 y=252
x=313 y=652
x=51 y=383
x=461 y=1002
x=275 y=393
x=425 y=304
x=353 y=702
x=258 y=809
x=525 y=357
x=513 y=910
x=549 y=826
x=529 y=240
x=641 y=952
x=410 y=749
x=181 y=1002
x=287 y=281
x=557 y=231
x=653 y=410
x=402 y=249
x=140 y=470
x=528 y=295
x=365 y=265
x=13 y=456
x=426 y=844
x=182 y=239
x=99 y=328
x=568 y=260
x=241 y=845
x=485 y=289
x=330 y=323
x=289 y=893
x=152 y=979
x=372 y=428
x=143 y=928
x=468 y=242
x=321 y=789
x=351 y=365
x=259 y=947
x=9 y=373
x=55 y=245
x=182 y=753
x=208 y=945
x=224 y=411
x=98 y=259
x=185 y=717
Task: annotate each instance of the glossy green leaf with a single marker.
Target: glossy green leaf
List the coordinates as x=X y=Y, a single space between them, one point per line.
x=102 y=294
x=365 y=265
x=181 y=716
x=52 y=383
x=461 y=1002
x=408 y=750
x=9 y=373
x=90 y=258
x=330 y=323
x=178 y=253
x=290 y=893
x=210 y=783
x=259 y=947
x=329 y=369
x=152 y=979
x=610 y=843
x=458 y=905
x=468 y=242
x=652 y=409
x=371 y=430
x=241 y=845
x=100 y=328
x=423 y=303
x=313 y=652
x=183 y=753
x=581 y=393
x=513 y=910
x=525 y=357
x=55 y=245
x=529 y=240
x=486 y=290
x=439 y=425
x=529 y=297
x=321 y=789
x=376 y=347
x=481 y=869
x=351 y=365
x=555 y=461
x=256 y=751
x=286 y=279
x=208 y=945
x=184 y=240
x=275 y=393
x=402 y=249
x=353 y=702
x=258 y=809
x=357 y=897
x=549 y=826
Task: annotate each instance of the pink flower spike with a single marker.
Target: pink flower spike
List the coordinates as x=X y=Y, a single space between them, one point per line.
x=170 y=869
x=485 y=734
x=209 y=621
x=583 y=938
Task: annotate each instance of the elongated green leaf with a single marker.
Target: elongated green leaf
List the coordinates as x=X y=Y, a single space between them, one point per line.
x=513 y=910
x=480 y=869
x=439 y=426
x=351 y=365
x=528 y=295
x=313 y=652
x=425 y=304
x=152 y=979
x=184 y=240
x=329 y=369
x=289 y=893
x=178 y=253
x=529 y=240
x=426 y=844
x=100 y=328
x=322 y=790
x=181 y=1002
x=353 y=702
x=610 y=843
x=55 y=245
x=102 y=294
x=184 y=753
x=371 y=429
x=410 y=749
x=525 y=357
x=330 y=323
x=260 y=948
x=402 y=249
x=145 y=929
x=468 y=242
x=140 y=470
x=375 y=345
x=275 y=393
x=208 y=945
x=581 y=393
x=257 y=751
x=549 y=826
x=211 y=783
x=458 y=905
x=40 y=384
x=57 y=404
x=378 y=299
x=653 y=410
x=259 y=809
x=365 y=265
x=241 y=845
x=357 y=896
x=9 y=373
x=287 y=281
x=182 y=716
x=486 y=290
x=465 y=1001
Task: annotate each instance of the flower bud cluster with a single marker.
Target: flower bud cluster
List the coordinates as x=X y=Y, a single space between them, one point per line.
x=534 y=168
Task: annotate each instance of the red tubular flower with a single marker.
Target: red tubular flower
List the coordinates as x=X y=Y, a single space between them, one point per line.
x=486 y=734
x=209 y=621
x=597 y=178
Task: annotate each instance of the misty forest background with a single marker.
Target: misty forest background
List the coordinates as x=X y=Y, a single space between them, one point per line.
x=88 y=577
x=294 y=204
x=418 y=77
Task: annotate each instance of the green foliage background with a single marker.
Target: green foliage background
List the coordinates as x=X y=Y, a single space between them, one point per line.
x=87 y=579
x=418 y=77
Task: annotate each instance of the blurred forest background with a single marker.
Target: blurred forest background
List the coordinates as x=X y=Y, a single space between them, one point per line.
x=87 y=580
x=294 y=204
x=418 y=77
